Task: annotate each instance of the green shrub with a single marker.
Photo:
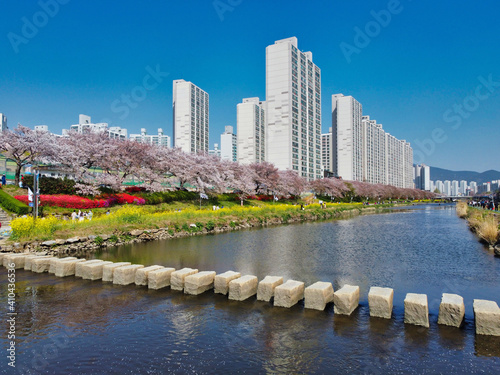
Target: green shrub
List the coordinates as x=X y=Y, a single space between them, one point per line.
x=114 y=238
x=98 y=240
x=210 y=226
x=51 y=185
x=232 y=224
x=171 y=232
x=185 y=227
x=170 y=196
x=11 y=204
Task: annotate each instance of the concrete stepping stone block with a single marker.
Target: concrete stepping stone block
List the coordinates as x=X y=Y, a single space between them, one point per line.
x=487 y=317
x=199 y=282
x=380 y=301
x=221 y=282
x=109 y=269
x=2 y=256
x=93 y=271
x=177 y=278
x=346 y=300
x=141 y=276
x=416 y=309
x=317 y=295
x=451 y=310
x=67 y=267
x=265 y=290
x=79 y=266
x=17 y=259
x=160 y=278
x=289 y=293
x=7 y=258
x=126 y=275
x=242 y=288
x=28 y=260
x=40 y=265
x=53 y=263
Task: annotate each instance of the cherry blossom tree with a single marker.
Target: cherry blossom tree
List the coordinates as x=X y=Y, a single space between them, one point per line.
x=26 y=146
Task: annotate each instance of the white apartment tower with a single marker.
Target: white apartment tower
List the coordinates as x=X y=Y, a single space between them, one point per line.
x=347 y=138
x=159 y=139
x=85 y=125
x=251 y=129
x=374 y=160
x=293 y=109
x=190 y=117
x=423 y=177
x=3 y=122
x=228 y=145
x=326 y=151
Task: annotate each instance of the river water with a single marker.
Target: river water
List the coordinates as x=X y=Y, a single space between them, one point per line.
x=74 y=326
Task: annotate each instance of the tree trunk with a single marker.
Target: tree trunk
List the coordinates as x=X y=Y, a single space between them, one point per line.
x=18 y=174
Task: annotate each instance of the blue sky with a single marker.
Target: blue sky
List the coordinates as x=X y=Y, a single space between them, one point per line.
x=430 y=74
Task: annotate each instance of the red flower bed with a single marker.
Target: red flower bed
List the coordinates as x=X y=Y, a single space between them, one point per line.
x=67 y=201
x=73 y=201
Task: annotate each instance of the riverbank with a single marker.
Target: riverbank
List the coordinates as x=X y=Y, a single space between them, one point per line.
x=485 y=224
x=132 y=224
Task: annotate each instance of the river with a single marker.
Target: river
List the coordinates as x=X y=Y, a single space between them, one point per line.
x=74 y=326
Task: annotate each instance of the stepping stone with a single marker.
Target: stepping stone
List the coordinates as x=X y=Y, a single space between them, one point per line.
x=160 y=278
x=199 y=282
x=93 y=271
x=242 y=288
x=17 y=259
x=487 y=316
x=289 y=293
x=126 y=275
x=3 y=255
x=141 y=276
x=79 y=266
x=265 y=290
x=221 y=283
x=40 y=265
x=317 y=295
x=451 y=310
x=416 y=309
x=177 y=278
x=380 y=301
x=67 y=267
x=346 y=300
x=7 y=258
x=108 y=270
x=53 y=263
x=29 y=259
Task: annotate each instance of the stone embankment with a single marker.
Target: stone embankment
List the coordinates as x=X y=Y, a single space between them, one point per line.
x=84 y=246
x=271 y=289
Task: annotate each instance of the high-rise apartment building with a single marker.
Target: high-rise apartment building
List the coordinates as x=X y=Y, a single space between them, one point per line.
x=454 y=188
x=439 y=186
x=463 y=187
x=293 y=109
x=251 y=129
x=190 y=117
x=374 y=152
x=3 y=122
x=473 y=187
x=363 y=151
x=347 y=137
x=423 y=177
x=326 y=151
x=228 y=145
x=159 y=139
x=447 y=188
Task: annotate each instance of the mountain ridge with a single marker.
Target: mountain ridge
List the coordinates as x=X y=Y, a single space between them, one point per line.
x=480 y=177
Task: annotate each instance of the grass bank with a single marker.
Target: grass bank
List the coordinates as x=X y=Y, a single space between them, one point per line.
x=178 y=217
x=482 y=222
